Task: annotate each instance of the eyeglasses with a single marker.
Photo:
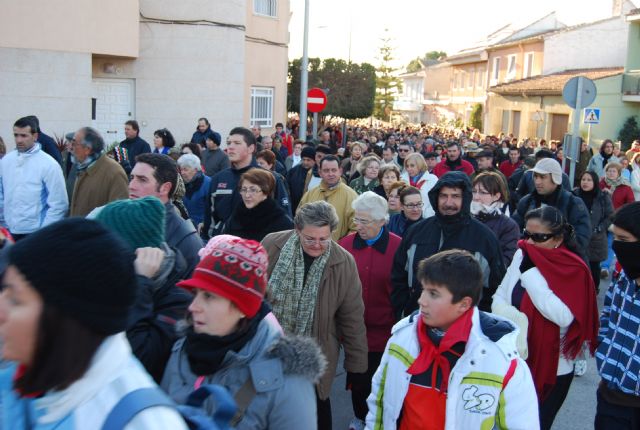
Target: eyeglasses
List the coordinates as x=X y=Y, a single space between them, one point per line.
x=414 y=205
x=362 y=221
x=310 y=241
x=250 y=190
x=537 y=237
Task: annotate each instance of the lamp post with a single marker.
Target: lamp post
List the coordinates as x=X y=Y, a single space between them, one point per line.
x=304 y=75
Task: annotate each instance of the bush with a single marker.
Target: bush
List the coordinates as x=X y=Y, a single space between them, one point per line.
x=629 y=132
x=476 y=116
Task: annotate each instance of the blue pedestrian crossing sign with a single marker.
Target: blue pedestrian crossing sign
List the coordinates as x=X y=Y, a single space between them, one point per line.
x=592 y=116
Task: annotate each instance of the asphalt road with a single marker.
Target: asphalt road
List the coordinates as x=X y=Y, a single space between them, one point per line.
x=577 y=412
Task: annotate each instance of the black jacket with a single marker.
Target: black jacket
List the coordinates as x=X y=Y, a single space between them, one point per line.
x=506 y=230
x=600 y=213
x=49 y=146
x=135 y=147
x=182 y=235
x=159 y=306
x=438 y=233
x=255 y=223
x=296 y=178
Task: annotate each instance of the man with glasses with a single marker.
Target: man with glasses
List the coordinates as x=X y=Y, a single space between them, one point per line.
x=451 y=227
x=32 y=187
x=547 y=178
x=404 y=149
x=335 y=192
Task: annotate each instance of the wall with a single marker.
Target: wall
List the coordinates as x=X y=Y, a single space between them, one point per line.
x=633 y=50
x=603 y=44
x=58 y=94
x=88 y=26
x=266 y=65
x=519 y=51
x=437 y=82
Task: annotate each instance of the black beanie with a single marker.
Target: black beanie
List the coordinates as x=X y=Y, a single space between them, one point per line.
x=81 y=269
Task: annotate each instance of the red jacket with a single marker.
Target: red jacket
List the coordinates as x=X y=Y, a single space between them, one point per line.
x=507 y=168
x=622 y=195
x=442 y=167
x=374 y=268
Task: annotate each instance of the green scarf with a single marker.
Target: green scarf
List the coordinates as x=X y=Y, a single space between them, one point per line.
x=293 y=300
x=615 y=183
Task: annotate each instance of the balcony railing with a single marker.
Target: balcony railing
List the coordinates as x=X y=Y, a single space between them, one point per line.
x=631 y=83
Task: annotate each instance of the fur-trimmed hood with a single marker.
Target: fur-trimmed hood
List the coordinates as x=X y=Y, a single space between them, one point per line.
x=299 y=356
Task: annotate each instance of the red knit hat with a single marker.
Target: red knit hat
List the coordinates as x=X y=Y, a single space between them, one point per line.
x=235 y=269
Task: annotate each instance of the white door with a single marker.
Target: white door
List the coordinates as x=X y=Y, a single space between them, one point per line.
x=113 y=106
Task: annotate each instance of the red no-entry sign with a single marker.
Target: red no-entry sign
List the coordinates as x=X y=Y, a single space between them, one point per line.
x=316 y=100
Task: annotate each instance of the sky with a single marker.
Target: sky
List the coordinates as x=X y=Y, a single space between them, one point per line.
x=419 y=26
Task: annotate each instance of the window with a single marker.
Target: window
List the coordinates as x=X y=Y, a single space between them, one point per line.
x=496 y=71
x=471 y=76
x=455 y=81
x=262 y=106
x=480 y=79
x=528 y=65
x=511 y=67
x=266 y=7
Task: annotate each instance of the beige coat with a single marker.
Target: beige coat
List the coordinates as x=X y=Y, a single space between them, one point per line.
x=339 y=310
x=98 y=185
x=340 y=197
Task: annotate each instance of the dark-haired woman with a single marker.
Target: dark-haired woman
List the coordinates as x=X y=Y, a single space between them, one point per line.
x=63 y=332
x=600 y=208
x=163 y=141
x=548 y=291
x=257 y=214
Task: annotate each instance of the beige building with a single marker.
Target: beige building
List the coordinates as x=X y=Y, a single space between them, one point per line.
x=161 y=62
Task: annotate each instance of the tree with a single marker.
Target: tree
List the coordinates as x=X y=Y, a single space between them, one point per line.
x=475 y=118
x=629 y=132
x=417 y=63
x=387 y=85
x=350 y=86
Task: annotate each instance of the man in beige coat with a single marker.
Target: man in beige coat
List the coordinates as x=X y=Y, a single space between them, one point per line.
x=100 y=180
x=315 y=290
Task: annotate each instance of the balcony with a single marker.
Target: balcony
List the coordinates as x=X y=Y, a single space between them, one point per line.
x=631 y=86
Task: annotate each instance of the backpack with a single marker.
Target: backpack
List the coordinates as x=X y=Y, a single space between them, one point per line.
x=192 y=413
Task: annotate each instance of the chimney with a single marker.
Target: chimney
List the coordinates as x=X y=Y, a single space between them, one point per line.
x=616 y=9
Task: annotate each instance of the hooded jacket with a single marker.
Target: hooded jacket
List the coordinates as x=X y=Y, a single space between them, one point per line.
x=438 y=233
x=283 y=371
x=182 y=235
x=159 y=307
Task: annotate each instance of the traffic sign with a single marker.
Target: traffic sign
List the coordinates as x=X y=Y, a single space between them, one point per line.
x=570 y=92
x=316 y=100
x=592 y=116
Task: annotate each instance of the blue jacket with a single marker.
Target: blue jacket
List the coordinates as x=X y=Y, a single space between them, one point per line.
x=33 y=193
x=49 y=146
x=135 y=147
x=399 y=223
x=197 y=200
x=225 y=197
x=618 y=337
x=201 y=137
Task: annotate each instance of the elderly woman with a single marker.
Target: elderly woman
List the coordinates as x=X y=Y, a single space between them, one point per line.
x=490 y=194
x=258 y=214
x=368 y=168
x=315 y=291
x=387 y=175
x=416 y=174
x=196 y=185
x=373 y=248
x=411 y=204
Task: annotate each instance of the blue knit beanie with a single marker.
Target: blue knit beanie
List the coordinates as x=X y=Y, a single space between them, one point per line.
x=140 y=222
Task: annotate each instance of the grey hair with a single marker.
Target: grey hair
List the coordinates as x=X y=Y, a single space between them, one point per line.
x=317 y=214
x=372 y=204
x=365 y=161
x=190 y=160
x=267 y=139
x=92 y=139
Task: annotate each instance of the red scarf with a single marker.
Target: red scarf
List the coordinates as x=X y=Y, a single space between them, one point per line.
x=418 y=184
x=570 y=279
x=430 y=354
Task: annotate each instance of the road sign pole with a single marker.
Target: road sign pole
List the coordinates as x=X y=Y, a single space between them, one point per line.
x=315 y=125
x=589 y=136
x=575 y=133
x=304 y=76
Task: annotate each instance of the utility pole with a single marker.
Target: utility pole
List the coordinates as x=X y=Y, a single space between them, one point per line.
x=304 y=76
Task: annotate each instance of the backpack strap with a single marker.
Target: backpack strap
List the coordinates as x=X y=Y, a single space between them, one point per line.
x=132 y=404
x=243 y=398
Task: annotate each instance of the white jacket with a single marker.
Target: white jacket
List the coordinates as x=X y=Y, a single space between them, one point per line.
x=427 y=181
x=635 y=181
x=545 y=301
x=32 y=191
x=476 y=397
x=86 y=403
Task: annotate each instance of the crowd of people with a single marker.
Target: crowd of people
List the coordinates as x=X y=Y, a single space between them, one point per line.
x=457 y=272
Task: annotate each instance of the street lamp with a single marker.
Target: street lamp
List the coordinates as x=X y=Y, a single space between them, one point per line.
x=304 y=75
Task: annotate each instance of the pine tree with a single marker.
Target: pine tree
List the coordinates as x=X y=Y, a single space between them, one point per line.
x=387 y=85
x=629 y=132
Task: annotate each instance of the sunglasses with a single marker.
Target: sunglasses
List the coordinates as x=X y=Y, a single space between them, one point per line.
x=537 y=237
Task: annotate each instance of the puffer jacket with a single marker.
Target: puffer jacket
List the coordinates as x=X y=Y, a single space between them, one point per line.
x=505 y=229
x=113 y=373
x=438 y=233
x=490 y=386
x=283 y=371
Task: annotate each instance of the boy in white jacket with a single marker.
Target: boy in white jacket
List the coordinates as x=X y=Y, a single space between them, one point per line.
x=449 y=365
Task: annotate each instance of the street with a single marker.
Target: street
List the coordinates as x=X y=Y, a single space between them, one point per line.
x=577 y=412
